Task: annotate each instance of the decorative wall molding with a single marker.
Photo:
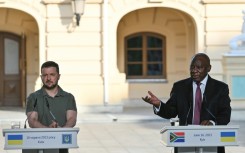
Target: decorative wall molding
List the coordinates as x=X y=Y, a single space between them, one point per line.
x=222 y=1
x=2 y=1
x=55 y=1
x=155 y=1
x=68 y=1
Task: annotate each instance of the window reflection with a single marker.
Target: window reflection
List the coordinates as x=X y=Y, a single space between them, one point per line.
x=154 y=69
x=135 y=42
x=154 y=55
x=135 y=69
x=153 y=42
x=134 y=55
x=11 y=56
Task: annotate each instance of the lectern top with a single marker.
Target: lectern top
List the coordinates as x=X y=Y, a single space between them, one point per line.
x=40 y=130
x=200 y=136
x=199 y=127
x=40 y=138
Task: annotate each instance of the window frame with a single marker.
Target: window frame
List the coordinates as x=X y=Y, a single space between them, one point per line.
x=144 y=61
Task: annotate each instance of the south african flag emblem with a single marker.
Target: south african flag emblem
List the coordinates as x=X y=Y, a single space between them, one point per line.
x=177 y=137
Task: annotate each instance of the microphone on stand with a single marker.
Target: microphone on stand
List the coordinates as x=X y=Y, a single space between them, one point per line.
x=34 y=106
x=47 y=104
x=205 y=100
x=188 y=113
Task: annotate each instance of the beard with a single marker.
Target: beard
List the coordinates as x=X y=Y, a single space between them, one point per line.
x=50 y=87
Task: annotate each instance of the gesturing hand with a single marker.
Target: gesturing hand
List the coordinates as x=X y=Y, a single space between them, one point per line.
x=152 y=99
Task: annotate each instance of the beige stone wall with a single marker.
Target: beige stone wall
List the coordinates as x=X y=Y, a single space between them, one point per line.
x=163 y=18
x=77 y=49
x=82 y=51
x=221 y=26
x=86 y=72
x=166 y=22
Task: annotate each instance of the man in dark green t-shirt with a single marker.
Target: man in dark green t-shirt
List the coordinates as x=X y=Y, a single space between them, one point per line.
x=51 y=106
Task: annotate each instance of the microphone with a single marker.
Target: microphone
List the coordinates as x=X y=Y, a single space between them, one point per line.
x=210 y=113
x=187 y=115
x=34 y=106
x=47 y=104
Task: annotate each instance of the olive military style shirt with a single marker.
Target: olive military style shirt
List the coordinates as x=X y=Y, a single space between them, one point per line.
x=42 y=103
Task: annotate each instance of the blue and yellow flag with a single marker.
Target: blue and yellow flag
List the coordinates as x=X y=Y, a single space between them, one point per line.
x=16 y=139
x=228 y=136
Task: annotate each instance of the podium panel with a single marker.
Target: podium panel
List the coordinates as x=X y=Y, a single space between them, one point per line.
x=199 y=136
x=40 y=138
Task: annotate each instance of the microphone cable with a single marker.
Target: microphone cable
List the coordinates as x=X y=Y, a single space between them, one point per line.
x=187 y=115
x=205 y=100
x=47 y=104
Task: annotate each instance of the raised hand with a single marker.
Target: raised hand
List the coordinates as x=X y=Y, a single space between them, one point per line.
x=152 y=99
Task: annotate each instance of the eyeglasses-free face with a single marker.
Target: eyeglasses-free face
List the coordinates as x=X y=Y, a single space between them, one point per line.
x=50 y=77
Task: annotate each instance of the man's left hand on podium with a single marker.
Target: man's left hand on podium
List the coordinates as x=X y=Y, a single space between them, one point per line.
x=207 y=122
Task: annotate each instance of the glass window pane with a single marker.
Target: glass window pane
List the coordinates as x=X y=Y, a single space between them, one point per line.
x=135 y=69
x=135 y=42
x=153 y=42
x=154 y=55
x=134 y=56
x=154 y=69
x=11 y=56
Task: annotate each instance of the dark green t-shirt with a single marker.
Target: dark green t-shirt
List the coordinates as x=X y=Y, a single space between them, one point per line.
x=58 y=105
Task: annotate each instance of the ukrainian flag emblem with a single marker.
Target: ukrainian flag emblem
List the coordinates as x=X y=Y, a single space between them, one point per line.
x=66 y=138
x=228 y=136
x=15 y=139
x=177 y=137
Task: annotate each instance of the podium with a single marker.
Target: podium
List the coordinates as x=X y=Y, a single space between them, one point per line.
x=199 y=139
x=40 y=138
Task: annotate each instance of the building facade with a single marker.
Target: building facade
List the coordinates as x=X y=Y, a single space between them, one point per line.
x=120 y=50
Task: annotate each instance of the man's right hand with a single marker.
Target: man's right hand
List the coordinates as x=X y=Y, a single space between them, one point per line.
x=152 y=99
x=53 y=125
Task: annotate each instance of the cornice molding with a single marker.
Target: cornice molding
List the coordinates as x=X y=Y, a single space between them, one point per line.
x=222 y=1
x=69 y=1
x=55 y=1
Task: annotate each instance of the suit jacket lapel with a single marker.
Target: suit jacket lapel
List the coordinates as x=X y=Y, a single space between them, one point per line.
x=207 y=96
x=209 y=89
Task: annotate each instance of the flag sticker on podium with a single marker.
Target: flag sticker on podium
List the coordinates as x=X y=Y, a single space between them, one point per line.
x=66 y=138
x=15 y=139
x=177 y=136
x=228 y=136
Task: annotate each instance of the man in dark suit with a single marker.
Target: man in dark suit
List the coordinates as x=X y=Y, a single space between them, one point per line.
x=214 y=104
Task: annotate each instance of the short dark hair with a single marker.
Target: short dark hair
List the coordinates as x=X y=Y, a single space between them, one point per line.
x=50 y=64
x=203 y=55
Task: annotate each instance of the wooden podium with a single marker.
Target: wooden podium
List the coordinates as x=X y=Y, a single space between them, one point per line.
x=40 y=138
x=199 y=139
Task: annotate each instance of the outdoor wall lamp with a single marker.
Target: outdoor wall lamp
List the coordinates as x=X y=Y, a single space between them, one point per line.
x=78 y=9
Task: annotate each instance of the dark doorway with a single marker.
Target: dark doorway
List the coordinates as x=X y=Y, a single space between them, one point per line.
x=12 y=68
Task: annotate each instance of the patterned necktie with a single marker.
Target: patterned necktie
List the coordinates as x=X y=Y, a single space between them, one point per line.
x=198 y=104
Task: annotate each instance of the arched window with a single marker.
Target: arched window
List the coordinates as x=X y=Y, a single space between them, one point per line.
x=145 y=56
